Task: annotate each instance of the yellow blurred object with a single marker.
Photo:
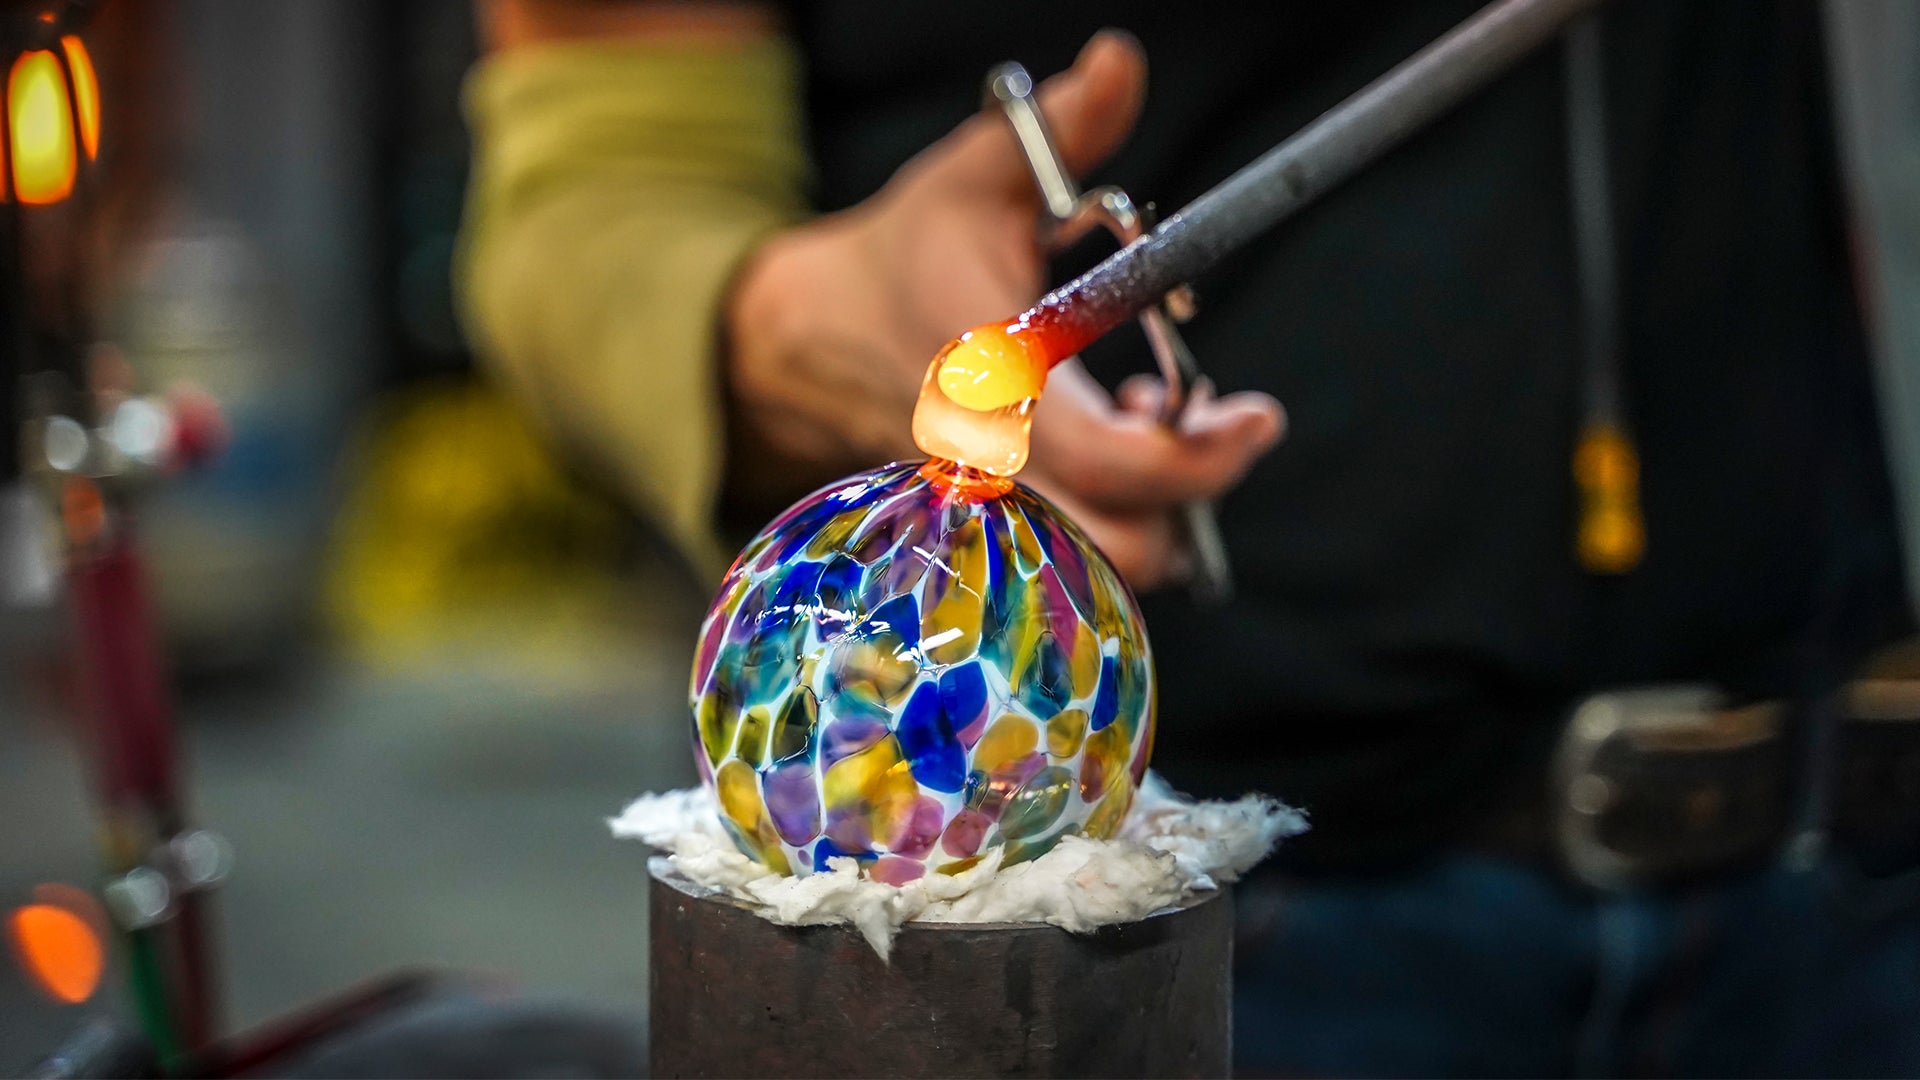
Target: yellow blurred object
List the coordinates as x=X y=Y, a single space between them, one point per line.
x=86 y=92
x=461 y=535
x=1606 y=469
x=40 y=124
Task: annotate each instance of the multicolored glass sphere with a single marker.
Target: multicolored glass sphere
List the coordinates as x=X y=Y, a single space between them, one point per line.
x=912 y=672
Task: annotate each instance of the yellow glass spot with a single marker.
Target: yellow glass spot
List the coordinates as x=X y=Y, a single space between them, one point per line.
x=794 y=731
x=1009 y=739
x=876 y=669
x=1065 y=732
x=719 y=720
x=877 y=782
x=755 y=726
x=1105 y=759
x=950 y=627
x=740 y=794
x=739 y=790
x=961 y=866
x=1086 y=660
x=1027 y=553
x=1022 y=633
x=1107 y=602
x=1105 y=820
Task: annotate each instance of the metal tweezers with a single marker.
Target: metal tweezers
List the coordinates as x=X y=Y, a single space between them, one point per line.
x=1070 y=214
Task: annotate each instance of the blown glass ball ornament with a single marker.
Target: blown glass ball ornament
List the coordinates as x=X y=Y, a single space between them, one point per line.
x=915 y=666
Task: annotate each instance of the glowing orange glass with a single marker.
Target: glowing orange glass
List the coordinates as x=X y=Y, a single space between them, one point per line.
x=40 y=123
x=86 y=92
x=58 y=950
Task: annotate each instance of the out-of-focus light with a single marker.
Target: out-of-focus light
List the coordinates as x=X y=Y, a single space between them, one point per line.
x=141 y=430
x=59 y=950
x=65 y=444
x=83 y=510
x=86 y=92
x=40 y=125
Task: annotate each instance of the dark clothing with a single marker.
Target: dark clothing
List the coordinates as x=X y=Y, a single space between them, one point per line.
x=1481 y=967
x=1412 y=621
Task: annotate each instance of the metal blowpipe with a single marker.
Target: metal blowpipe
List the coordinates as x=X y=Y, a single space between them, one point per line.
x=1325 y=152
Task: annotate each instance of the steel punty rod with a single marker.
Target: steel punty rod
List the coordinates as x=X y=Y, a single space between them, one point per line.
x=1288 y=177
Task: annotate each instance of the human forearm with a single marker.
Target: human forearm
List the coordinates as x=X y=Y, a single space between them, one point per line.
x=617 y=188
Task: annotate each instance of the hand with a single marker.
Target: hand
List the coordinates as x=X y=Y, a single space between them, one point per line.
x=831 y=325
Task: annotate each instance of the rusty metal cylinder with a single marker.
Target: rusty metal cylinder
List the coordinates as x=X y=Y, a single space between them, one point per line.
x=735 y=995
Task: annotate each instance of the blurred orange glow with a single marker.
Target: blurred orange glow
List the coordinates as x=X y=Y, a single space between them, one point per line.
x=83 y=511
x=86 y=92
x=41 y=126
x=59 y=951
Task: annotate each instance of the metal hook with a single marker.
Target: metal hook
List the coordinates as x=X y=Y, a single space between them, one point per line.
x=1069 y=215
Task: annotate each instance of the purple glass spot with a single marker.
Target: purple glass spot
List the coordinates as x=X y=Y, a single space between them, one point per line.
x=922 y=829
x=893 y=870
x=847 y=834
x=847 y=736
x=793 y=801
x=964 y=833
x=895 y=527
x=1070 y=561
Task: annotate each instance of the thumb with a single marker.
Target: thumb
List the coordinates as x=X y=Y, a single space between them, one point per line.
x=1092 y=106
x=1090 y=109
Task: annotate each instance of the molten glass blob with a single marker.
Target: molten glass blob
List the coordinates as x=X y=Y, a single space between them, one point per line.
x=915 y=666
x=976 y=403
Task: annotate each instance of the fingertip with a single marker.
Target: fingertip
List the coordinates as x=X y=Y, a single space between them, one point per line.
x=1260 y=416
x=1141 y=393
x=1094 y=106
x=1112 y=42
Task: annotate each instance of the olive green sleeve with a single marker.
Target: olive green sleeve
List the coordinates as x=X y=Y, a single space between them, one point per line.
x=616 y=188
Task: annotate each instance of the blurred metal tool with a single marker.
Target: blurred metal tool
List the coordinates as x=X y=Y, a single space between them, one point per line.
x=1070 y=215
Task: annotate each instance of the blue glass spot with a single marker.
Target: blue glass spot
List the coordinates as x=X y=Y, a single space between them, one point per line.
x=963 y=695
x=1133 y=693
x=975 y=792
x=1106 y=700
x=837 y=596
x=929 y=743
x=825 y=849
x=796 y=587
x=1048 y=685
x=899 y=618
x=1038 y=520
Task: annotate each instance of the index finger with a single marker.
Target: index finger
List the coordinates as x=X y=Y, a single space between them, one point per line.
x=1120 y=460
